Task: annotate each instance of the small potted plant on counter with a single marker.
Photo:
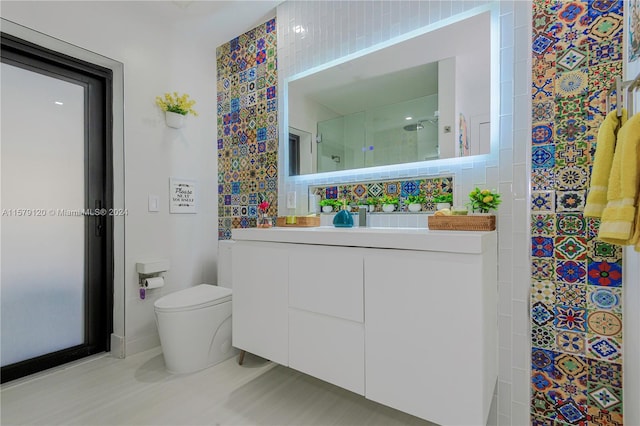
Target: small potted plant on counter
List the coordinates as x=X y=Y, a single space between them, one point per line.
x=484 y=200
x=372 y=202
x=443 y=200
x=329 y=204
x=389 y=203
x=415 y=202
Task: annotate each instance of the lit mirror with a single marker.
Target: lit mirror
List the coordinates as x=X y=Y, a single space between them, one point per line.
x=421 y=99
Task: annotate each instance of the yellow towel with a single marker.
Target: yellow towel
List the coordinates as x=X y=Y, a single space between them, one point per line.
x=597 y=197
x=618 y=225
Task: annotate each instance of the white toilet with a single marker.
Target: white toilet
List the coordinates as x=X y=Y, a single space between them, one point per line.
x=194 y=324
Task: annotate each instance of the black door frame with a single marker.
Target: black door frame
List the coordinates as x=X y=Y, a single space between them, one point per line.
x=99 y=278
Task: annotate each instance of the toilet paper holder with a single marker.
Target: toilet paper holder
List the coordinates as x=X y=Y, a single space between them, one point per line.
x=150 y=269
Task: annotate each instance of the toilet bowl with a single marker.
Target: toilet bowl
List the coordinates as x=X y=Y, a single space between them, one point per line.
x=194 y=324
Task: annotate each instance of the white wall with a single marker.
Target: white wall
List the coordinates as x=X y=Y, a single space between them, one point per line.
x=631 y=285
x=157 y=58
x=340 y=28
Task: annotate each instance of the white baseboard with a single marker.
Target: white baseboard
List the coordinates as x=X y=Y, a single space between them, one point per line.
x=117 y=346
x=142 y=344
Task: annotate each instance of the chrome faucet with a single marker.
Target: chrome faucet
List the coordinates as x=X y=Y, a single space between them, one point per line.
x=362 y=216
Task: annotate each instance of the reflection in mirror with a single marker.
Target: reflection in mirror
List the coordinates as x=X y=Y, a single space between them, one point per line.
x=421 y=99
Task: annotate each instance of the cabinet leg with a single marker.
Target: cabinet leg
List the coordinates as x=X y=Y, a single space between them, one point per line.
x=241 y=357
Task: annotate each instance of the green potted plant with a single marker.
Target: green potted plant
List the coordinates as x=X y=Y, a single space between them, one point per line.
x=415 y=202
x=329 y=204
x=443 y=200
x=389 y=203
x=484 y=200
x=372 y=202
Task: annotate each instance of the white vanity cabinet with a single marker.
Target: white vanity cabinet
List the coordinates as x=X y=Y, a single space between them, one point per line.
x=407 y=318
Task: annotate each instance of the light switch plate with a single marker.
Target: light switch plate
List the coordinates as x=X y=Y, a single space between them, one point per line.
x=154 y=203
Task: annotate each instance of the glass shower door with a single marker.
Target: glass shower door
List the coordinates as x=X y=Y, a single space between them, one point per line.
x=43 y=229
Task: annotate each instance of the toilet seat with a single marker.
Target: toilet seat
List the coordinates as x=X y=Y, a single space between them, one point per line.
x=198 y=297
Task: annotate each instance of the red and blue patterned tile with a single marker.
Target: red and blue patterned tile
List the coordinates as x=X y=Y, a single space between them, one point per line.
x=543 y=224
x=605 y=274
x=543 y=360
x=602 y=417
x=571 y=129
x=571 y=318
x=543 y=111
x=544 y=66
x=607 y=373
x=570 y=271
x=605 y=27
x=542 y=246
x=542 y=405
x=571 y=224
x=605 y=348
x=601 y=77
x=570 y=294
x=572 y=413
x=570 y=248
x=606 y=51
x=571 y=107
x=542 y=134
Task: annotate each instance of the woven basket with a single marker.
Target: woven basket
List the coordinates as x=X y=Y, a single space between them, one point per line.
x=463 y=223
x=301 y=222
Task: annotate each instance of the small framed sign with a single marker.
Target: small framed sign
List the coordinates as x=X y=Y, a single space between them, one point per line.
x=182 y=195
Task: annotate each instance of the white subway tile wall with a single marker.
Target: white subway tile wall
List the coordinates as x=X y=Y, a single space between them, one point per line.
x=339 y=28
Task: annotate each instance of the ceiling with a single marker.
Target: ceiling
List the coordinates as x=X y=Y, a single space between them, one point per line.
x=217 y=20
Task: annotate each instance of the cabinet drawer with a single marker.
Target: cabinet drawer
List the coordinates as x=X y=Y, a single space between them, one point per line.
x=328 y=348
x=327 y=280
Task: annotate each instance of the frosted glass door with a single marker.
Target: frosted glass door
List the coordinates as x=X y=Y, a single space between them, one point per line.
x=43 y=239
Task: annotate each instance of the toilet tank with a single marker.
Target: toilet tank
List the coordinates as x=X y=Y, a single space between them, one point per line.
x=224 y=263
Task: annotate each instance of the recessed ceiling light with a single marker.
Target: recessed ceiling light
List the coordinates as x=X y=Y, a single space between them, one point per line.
x=58 y=103
x=299 y=29
x=408 y=118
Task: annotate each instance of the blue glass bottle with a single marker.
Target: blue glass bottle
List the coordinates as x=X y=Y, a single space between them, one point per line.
x=343 y=219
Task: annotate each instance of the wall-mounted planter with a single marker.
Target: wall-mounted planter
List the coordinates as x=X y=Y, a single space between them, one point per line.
x=174 y=119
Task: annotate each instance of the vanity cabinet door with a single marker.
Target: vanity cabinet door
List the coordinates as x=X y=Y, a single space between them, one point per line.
x=327 y=280
x=260 y=294
x=326 y=314
x=430 y=339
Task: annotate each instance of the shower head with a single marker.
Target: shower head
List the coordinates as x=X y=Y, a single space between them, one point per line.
x=413 y=127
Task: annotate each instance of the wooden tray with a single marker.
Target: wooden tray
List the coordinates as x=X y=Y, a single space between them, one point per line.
x=301 y=221
x=462 y=223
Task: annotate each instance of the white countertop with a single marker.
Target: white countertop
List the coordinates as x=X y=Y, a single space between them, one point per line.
x=392 y=238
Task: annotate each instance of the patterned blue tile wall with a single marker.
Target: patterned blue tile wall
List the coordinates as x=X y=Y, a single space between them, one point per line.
x=247 y=86
x=576 y=311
